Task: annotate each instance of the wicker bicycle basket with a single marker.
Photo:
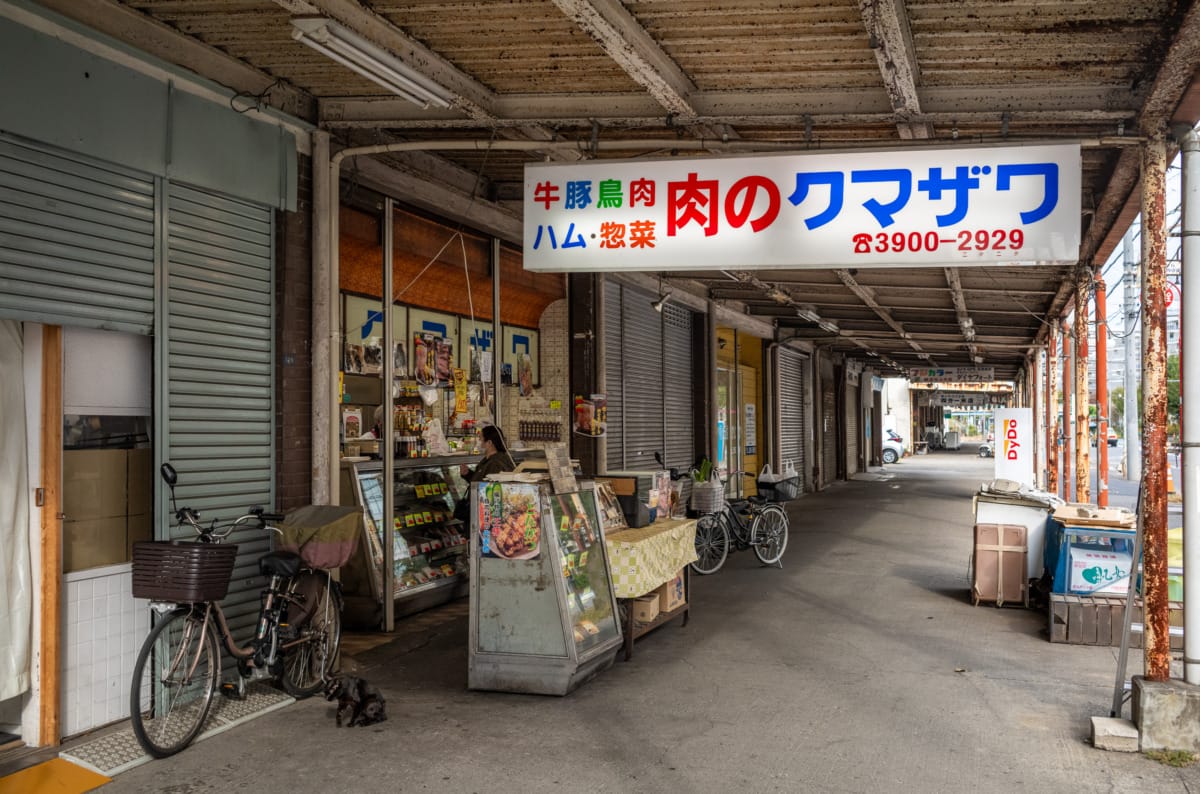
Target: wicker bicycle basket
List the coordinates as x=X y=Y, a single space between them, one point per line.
x=182 y=572
x=784 y=490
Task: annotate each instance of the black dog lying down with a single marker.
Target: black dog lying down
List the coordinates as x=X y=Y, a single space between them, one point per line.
x=359 y=702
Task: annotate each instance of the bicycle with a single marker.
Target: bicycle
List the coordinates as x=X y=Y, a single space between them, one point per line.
x=752 y=523
x=177 y=669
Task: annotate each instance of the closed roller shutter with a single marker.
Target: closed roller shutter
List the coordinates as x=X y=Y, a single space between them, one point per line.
x=644 y=403
x=790 y=377
x=614 y=377
x=852 y=443
x=648 y=374
x=219 y=377
x=76 y=241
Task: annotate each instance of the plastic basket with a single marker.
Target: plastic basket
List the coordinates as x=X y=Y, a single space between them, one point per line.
x=707 y=497
x=783 y=490
x=182 y=572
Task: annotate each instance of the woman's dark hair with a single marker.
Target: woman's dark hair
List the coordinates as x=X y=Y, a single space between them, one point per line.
x=493 y=434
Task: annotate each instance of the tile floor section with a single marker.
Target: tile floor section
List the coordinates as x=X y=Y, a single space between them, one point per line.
x=117 y=751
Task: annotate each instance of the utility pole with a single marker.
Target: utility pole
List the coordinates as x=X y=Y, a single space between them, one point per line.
x=1133 y=443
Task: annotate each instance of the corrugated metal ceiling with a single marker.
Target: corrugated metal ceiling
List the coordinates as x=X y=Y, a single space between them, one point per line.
x=816 y=73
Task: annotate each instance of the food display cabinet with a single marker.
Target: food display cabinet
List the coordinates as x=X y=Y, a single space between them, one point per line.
x=429 y=549
x=543 y=611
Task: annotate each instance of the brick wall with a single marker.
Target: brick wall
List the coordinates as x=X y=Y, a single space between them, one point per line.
x=553 y=368
x=293 y=334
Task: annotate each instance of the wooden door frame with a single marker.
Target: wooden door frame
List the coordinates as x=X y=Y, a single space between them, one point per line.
x=49 y=659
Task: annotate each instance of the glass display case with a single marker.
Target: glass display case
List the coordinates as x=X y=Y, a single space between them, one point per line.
x=543 y=612
x=430 y=545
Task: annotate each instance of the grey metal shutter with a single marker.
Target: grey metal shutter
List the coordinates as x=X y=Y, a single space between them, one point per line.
x=791 y=367
x=679 y=447
x=852 y=408
x=614 y=377
x=219 y=379
x=643 y=356
x=76 y=241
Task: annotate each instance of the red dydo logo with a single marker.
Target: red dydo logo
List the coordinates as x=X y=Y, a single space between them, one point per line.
x=1012 y=447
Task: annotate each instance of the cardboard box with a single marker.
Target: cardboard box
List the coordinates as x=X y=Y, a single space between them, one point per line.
x=645 y=608
x=137 y=528
x=622 y=486
x=95 y=483
x=671 y=595
x=92 y=543
x=141 y=481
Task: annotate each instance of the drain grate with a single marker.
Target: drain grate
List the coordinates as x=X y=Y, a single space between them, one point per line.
x=118 y=751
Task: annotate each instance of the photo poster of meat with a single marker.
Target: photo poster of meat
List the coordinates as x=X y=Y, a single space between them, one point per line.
x=433 y=358
x=591 y=415
x=509 y=521
x=362 y=328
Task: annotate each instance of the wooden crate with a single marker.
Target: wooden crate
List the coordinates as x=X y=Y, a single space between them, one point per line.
x=1099 y=620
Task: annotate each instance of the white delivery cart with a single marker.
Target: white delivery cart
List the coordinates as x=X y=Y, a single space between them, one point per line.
x=995 y=503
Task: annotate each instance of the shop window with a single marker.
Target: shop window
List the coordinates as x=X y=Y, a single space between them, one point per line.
x=108 y=460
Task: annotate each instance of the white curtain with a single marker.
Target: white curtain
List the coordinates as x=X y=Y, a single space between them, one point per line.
x=15 y=574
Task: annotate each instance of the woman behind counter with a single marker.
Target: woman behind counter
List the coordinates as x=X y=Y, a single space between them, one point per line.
x=495 y=456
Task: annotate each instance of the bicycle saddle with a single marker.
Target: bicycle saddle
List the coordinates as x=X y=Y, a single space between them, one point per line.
x=280 y=563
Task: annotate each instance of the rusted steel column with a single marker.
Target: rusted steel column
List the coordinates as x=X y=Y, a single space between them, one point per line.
x=1154 y=414
x=1067 y=379
x=1083 y=468
x=1101 y=392
x=1051 y=406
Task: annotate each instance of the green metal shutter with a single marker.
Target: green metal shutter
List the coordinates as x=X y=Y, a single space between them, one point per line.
x=219 y=376
x=76 y=241
x=614 y=377
x=791 y=368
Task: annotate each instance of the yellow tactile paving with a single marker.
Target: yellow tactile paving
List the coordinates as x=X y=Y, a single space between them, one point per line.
x=55 y=776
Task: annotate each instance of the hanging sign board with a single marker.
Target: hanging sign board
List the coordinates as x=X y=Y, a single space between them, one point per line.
x=952 y=374
x=1014 y=445
x=945 y=207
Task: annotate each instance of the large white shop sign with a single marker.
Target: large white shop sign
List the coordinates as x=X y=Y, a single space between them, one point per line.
x=958 y=207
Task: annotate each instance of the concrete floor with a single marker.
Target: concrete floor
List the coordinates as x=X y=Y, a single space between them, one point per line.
x=861 y=666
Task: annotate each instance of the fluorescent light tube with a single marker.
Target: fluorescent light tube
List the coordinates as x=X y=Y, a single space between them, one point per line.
x=829 y=326
x=369 y=60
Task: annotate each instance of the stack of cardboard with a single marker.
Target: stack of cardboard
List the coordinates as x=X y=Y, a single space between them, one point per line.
x=107 y=501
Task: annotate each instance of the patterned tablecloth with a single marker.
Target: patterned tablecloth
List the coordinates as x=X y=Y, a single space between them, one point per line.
x=644 y=558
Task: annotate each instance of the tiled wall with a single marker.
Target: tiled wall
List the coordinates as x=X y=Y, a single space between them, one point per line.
x=104 y=627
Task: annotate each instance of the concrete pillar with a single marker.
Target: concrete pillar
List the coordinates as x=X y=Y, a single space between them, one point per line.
x=1157 y=641
x=323 y=452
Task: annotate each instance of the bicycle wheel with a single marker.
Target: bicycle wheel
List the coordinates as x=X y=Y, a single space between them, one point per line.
x=173 y=682
x=712 y=544
x=769 y=534
x=307 y=664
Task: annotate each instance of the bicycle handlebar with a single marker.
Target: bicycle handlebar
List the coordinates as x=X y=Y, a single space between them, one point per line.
x=186 y=515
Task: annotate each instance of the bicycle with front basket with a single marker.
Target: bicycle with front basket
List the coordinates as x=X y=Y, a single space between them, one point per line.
x=751 y=523
x=179 y=666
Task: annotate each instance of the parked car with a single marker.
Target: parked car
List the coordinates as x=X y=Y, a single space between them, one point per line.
x=893 y=449
x=1112 y=437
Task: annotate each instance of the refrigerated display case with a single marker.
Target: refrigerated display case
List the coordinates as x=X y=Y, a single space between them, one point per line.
x=543 y=611
x=430 y=545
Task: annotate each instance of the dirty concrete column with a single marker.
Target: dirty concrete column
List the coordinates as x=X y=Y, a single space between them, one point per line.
x=1051 y=406
x=1067 y=379
x=1083 y=468
x=324 y=453
x=1154 y=411
x=1101 y=392
x=1189 y=420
